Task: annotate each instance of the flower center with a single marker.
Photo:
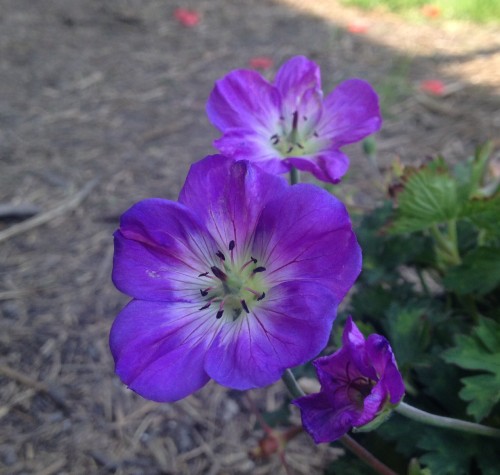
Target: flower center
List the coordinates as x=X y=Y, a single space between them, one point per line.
x=357 y=388
x=296 y=138
x=234 y=285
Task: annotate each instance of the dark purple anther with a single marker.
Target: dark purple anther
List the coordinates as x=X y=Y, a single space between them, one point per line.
x=218 y=273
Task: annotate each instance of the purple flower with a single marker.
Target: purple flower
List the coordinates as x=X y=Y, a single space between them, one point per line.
x=237 y=281
x=288 y=124
x=360 y=383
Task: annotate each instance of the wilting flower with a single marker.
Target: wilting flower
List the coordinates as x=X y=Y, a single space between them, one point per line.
x=237 y=281
x=360 y=384
x=288 y=124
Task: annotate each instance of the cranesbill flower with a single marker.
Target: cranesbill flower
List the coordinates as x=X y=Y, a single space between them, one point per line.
x=360 y=384
x=237 y=281
x=288 y=124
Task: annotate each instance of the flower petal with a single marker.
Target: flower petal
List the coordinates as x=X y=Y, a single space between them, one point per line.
x=229 y=197
x=350 y=113
x=242 y=144
x=382 y=358
x=328 y=165
x=296 y=76
x=299 y=83
x=160 y=249
x=159 y=348
x=255 y=350
x=244 y=99
x=322 y=421
x=306 y=234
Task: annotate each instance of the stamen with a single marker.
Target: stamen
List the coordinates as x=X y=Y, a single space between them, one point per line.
x=316 y=134
x=304 y=117
x=257 y=294
x=205 y=306
x=290 y=149
x=204 y=292
x=295 y=120
x=219 y=314
x=300 y=146
x=261 y=297
x=218 y=273
x=245 y=306
x=220 y=255
x=231 y=245
x=275 y=139
x=203 y=275
x=258 y=269
x=246 y=264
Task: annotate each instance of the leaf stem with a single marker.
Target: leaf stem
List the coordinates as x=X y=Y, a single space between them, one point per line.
x=348 y=442
x=445 y=422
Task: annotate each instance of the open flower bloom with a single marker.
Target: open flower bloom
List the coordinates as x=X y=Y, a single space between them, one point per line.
x=288 y=124
x=360 y=384
x=237 y=281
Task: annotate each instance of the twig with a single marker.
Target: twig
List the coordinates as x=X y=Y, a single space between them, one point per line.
x=43 y=218
x=24 y=210
x=14 y=294
x=37 y=385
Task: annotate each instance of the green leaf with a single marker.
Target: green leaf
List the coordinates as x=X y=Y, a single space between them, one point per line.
x=478 y=273
x=430 y=196
x=481 y=352
x=449 y=455
x=482 y=392
x=408 y=331
x=484 y=213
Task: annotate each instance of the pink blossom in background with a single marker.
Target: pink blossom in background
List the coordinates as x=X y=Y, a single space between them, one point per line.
x=433 y=86
x=186 y=17
x=261 y=62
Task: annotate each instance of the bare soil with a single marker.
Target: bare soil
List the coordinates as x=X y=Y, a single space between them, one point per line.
x=115 y=91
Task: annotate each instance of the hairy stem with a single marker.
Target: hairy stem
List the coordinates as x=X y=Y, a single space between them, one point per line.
x=294 y=176
x=445 y=422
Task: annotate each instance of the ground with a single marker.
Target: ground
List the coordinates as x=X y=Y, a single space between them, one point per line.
x=115 y=91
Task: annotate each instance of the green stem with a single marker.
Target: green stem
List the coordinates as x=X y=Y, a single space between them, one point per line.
x=453 y=240
x=294 y=176
x=292 y=385
x=445 y=422
x=446 y=246
x=348 y=442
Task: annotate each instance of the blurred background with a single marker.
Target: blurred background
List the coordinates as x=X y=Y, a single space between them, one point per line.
x=102 y=104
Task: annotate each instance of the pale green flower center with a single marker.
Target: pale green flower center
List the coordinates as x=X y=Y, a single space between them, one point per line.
x=233 y=287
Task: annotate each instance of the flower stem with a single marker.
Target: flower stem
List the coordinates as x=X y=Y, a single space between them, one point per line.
x=366 y=456
x=292 y=385
x=294 y=176
x=445 y=422
x=348 y=442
